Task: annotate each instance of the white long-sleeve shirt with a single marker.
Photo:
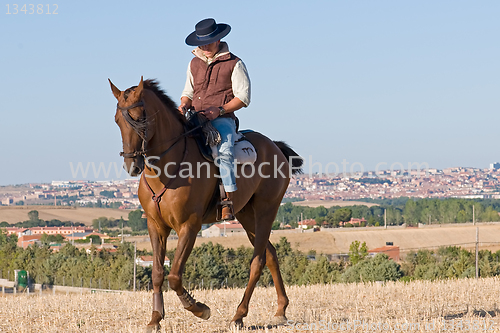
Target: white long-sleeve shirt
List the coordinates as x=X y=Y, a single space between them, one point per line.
x=239 y=78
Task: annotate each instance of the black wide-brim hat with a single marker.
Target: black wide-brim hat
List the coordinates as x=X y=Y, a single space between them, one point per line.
x=206 y=32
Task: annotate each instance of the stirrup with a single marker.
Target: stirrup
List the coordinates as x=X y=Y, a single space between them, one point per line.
x=222 y=207
x=227 y=210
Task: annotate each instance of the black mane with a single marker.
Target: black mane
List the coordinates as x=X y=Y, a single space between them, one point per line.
x=154 y=86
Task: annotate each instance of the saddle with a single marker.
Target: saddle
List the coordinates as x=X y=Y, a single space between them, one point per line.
x=244 y=151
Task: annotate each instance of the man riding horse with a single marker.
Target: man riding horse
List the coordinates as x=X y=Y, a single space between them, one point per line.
x=217 y=85
x=153 y=130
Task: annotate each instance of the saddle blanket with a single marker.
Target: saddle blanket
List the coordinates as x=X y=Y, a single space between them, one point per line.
x=244 y=151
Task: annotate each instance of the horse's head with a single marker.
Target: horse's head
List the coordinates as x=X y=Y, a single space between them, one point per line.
x=131 y=118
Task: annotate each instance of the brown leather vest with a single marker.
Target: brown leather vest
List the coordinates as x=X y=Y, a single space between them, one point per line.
x=212 y=83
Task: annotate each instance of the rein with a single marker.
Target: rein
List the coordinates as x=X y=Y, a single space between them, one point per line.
x=157 y=197
x=140 y=127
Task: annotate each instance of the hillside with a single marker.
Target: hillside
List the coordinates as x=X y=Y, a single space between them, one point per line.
x=338 y=240
x=14 y=214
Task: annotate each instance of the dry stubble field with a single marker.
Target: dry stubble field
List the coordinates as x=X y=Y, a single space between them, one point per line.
x=420 y=306
x=14 y=214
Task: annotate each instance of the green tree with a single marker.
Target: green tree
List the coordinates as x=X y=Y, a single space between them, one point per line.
x=104 y=222
x=136 y=222
x=461 y=216
x=357 y=252
x=95 y=239
x=321 y=272
x=428 y=271
x=378 y=268
x=321 y=211
x=410 y=213
x=33 y=216
x=490 y=215
x=283 y=248
x=238 y=268
x=276 y=225
x=342 y=215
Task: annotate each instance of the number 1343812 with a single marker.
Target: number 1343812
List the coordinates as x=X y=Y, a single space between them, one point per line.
x=13 y=9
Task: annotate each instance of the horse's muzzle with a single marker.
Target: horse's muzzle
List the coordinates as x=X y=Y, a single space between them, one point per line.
x=134 y=166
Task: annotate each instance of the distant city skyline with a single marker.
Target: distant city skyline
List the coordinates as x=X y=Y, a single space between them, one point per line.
x=458 y=182
x=112 y=170
x=366 y=82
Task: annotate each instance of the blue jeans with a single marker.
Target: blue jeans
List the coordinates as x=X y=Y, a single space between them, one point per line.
x=225 y=160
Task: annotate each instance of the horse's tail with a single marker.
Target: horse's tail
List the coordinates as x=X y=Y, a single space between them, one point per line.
x=291 y=156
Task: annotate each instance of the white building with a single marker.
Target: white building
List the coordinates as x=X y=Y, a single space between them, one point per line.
x=224 y=229
x=495 y=166
x=147 y=261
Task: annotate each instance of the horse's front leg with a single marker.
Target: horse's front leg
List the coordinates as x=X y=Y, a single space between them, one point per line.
x=187 y=238
x=159 y=244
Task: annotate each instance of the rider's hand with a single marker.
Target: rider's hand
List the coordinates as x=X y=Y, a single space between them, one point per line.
x=185 y=104
x=182 y=108
x=211 y=112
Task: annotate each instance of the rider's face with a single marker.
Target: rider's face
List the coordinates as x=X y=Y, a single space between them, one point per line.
x=210 y=50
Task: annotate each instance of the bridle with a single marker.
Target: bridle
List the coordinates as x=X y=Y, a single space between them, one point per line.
x=140 y=127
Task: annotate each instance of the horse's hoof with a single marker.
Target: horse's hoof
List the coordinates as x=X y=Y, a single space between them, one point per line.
x=206 y=312
x=236 y=325
x=153 y=328
x=278 y=320
x=200 y=310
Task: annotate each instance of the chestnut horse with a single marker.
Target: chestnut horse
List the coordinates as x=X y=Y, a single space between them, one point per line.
x=156 y=143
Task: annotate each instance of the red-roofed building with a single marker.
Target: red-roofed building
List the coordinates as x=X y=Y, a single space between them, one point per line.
x=224 y=229
x=391 y=251
x=84 y=235
x=59 y=230
x=353 y=221
x=307 y=224
x=147 y=261
x=25 y=241
x=99 y=248
x=17 y=231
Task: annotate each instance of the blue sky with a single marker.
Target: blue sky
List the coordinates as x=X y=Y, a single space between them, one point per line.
x=362 y=81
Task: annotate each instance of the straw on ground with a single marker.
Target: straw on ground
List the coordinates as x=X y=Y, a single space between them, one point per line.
x=419 y=306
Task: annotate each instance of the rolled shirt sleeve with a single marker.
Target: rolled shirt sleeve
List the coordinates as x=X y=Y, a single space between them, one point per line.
x=241 y=83
x=188 y=87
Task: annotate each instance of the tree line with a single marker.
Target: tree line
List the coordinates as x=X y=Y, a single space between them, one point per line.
x=398 y=211
x=135 y=222
x=213 y=266
x=72 y=265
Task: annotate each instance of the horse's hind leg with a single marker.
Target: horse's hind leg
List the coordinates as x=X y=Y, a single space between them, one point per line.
x=264 y=253
x=159 y=245
x=272 y=264
x=248 y=221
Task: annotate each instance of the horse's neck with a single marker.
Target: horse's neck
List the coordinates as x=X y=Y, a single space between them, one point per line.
x=167 y=126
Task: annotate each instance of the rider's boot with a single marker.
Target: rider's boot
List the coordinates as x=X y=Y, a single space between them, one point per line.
x=227 y=208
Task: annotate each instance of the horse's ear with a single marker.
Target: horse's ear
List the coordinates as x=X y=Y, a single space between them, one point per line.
x=116 y=92
x=138 y=90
